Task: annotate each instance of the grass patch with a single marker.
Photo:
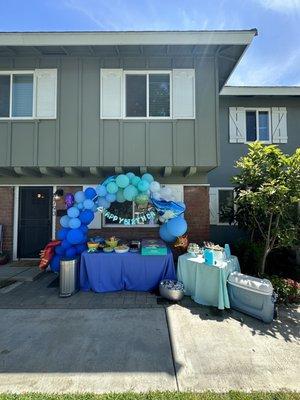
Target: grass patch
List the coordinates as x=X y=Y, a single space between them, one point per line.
x=158 y=396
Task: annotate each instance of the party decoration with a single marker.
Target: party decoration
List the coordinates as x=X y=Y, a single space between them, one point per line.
x=79 y=206
x=143 y=185
x=88 y=204
x=71 y=252
x=154 y=187
x=86 y=217
x=142 y=199
x=122 y=181
x=74 y=223
x=143 y=217
x=112 y=187
x=135 y=180
x=182 y=243
x=148 y=177
x=130 y=175
x=102 y=202
x=130 y=192
x=165 y=235
x=111 y=197
x=79 y=197
x=65 y=244
x=90 y=193
x=75 y=236
x=84 y=229
x=62 y=233
x=73 y=212
x=176 y=226
x=64 y=221
x=69 y=200
x=59 y=250
x=55 y=263
x=101 y=190
x=120 y=196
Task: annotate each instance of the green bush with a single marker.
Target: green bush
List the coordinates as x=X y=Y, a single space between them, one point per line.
x=288 y=290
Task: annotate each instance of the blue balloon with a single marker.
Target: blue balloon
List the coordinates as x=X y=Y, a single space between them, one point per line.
x=84 y=239
x=65 y=244
x=55 y=263
x=165 y=235
x=130 y=192
x=112 y=187
x=122 y=181
x=90 y=193
x=148 y=177
x=135 y=180
x=86 y=217
x=79 y=197
x=130 y=175
x=59 y=250
x=71 y=252
x=143 y=185
x=80 y=248
x=101 y=190
x=120 y=196
x=62 y=233
x=88 y=204
x=95 y=208
x=110 y=197
x=74 y=223
x=64 y=221
x=103 y=203
x=84 y=229
x=73 y=212
x=176 y=226
x=75 y=236
x=79 y=206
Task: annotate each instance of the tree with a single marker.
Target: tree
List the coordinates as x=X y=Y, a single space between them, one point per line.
x=267 y=194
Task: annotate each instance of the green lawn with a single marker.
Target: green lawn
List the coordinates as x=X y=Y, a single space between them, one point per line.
x=159 y=396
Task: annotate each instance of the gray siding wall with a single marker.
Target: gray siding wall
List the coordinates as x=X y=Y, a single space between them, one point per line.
x=79 y=138
x=231 y=152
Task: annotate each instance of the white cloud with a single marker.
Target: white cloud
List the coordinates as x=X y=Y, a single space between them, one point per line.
x=282 y=6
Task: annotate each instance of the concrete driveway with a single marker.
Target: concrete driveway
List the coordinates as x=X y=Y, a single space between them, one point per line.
x=171 y=348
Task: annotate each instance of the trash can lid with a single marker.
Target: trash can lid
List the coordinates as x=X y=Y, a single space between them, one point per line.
x=263 y=286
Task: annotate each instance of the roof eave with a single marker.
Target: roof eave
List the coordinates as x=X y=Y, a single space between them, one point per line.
x=260 y=91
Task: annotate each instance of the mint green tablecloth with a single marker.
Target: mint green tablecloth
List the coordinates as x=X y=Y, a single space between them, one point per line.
x=206 y=284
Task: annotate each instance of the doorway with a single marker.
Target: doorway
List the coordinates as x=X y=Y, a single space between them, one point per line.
x=35 y=220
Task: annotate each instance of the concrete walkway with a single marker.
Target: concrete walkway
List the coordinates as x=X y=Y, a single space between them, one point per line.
x=168 y=348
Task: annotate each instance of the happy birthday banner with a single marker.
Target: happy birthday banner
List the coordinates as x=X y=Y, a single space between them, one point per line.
x=143 y=217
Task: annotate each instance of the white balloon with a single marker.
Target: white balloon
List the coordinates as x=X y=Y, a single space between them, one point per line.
x=156 y=195
x=154 y=187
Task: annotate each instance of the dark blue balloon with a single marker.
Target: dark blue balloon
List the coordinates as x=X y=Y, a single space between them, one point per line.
x=165 y=235
x=84 y=228
x=80 y=248
x=55 y=263
x=86 y=217
x=71 y=252
x=59 y=250
x=75 y=236
x=62 y=233
x=65 y=244
x=90 y=193
x=176 y=226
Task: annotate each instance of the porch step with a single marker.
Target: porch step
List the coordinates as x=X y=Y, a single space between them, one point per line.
x=20 y=274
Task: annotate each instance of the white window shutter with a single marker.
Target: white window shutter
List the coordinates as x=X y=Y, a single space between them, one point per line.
x=177 y=191
x=237 y=125
x=213 y=206
x=97 y=221
x=279 y=125
x=111 y=89
x=183 y=93
x=46 y=93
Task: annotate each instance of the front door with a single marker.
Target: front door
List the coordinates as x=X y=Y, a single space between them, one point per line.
x=35 y=220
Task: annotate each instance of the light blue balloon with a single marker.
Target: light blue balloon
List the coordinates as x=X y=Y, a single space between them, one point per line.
x=88 y=204
x=79 y=197
x=79 y=206
x=165 y=235
x=64 y=221
x=101 y=190
x=176 y=226
x=74 y=223
x=95 y=208
x=120 y=196
x=103 y=203
x=130 y=175
x=143 y=185
x=111 y=197
x=122 y=181
x=73 y=212
x=112 y=187
x=130 y=193
x=148 y=177
x=135 y=180
x=106 y=204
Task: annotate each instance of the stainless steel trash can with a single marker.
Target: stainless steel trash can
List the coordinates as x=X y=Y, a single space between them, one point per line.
x=68 y=277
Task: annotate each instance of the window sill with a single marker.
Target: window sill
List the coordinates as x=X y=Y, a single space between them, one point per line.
x=130 y=226
x=27 y=119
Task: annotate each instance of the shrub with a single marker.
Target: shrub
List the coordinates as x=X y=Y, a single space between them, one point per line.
x=288 y=290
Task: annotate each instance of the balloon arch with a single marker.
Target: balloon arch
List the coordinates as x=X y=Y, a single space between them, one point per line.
x=119 y=188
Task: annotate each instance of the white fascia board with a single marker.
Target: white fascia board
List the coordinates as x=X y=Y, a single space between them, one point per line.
x=260 y=91
x=127 y=38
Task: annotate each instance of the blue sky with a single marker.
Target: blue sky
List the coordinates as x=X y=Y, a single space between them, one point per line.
x=272 y=59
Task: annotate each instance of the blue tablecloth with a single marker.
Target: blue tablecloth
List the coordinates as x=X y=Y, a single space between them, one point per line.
x=206 y=284
x=108 y=272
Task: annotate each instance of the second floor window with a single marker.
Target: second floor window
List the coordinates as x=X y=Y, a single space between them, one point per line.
x=16 y=95
x=147 y=95
x=258 y=125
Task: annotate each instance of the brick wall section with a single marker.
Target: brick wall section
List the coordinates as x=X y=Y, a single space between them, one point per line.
x=7 y=217
x=197 y=215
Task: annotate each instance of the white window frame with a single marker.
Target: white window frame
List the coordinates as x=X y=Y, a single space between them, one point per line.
x=257 y=110
x=217 y=201
x=26 y=72
x=147 y=73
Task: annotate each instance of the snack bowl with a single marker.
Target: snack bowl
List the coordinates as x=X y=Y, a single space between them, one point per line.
x=121 y=249
x=171 y=290
x=92 y=245
x=108 y=249
x=112 y=242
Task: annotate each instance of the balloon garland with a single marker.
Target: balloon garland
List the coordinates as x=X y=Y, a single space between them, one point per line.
x=82 y=206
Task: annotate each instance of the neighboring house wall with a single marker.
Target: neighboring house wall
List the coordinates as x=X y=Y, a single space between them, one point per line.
x=78 y=137
x=231 y=152
x=7 y=217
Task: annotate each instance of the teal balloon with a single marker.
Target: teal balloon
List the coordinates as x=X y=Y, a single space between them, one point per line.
x=148 y=177
x=143 y=185
x=130 y=175
x=122 y=181
x=135 y=180
x=176 y=226
x=112 y=187
x=130 y=193
x=120 y=196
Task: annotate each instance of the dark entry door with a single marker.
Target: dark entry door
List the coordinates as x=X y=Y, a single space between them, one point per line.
x=35 y=220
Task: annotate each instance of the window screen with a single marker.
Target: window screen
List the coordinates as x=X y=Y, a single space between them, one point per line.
x=159 y=95
x=22 y=95
x=251 y=126
x=4 y=95
x=136 y=95
x=263 y=121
